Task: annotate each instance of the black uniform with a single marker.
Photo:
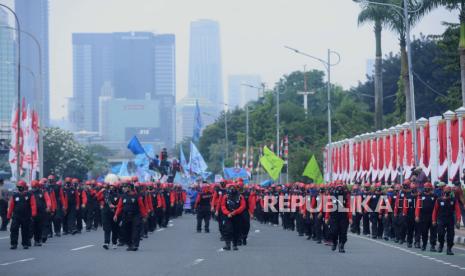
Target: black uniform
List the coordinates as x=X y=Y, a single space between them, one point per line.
x=22 y=209
x=203 y=206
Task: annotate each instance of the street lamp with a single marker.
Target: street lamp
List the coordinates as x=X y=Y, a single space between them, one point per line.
x=18 y=36
x=327 y=63
x=404 y=12
x=41 y=113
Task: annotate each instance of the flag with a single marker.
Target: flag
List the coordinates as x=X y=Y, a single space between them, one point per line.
x=182 y=160
x=312 y=170
x=244 y=159
x=236 y=160
x=286 y=149
x=197 y=123
x=271 y=163
x=13 y=154
x=135 y=147
x=196 y=163
x=233 y=173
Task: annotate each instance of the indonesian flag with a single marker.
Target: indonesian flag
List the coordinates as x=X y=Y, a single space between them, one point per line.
x=454 y=145
x=395 y=156
x=442 y=143
x=29 y=140
x=13 y=154
x=35 y=152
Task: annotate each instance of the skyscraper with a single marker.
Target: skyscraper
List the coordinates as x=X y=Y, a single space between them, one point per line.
x=205 y=73
x=105 y=64
x=33 y=18
x=7 y=74
x=239 y=93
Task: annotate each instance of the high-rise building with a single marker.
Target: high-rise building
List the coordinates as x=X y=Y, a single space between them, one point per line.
x=205 y=76
x=33 y=18
x=239 y=90
x=8 y=69
x=105 y=64
x=205 y=73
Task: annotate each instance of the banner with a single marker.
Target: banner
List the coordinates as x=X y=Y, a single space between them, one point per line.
x=312 y=170
x=233 y=173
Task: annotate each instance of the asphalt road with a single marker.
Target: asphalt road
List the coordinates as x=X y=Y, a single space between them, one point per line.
x=179 y=250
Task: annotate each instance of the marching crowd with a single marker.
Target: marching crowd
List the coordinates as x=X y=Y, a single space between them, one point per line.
x=127 y=210
x=400 y=213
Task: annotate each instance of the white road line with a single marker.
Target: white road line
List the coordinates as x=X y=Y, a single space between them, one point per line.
x=170 y=225
x=257 y=231
x=20 y=261
x=4 y=238
x=161 y=229
x=82 y=247
x=220 y=250
x=411 y=252
x=197 y=261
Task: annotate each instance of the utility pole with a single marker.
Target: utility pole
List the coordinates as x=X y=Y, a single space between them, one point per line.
x=305 y=93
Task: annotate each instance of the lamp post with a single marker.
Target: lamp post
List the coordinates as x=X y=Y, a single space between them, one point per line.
x=18 y=154
x=327 y=63
x=403 y=12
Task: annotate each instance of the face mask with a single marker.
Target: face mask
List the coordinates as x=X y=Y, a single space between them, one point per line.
x=20 y=188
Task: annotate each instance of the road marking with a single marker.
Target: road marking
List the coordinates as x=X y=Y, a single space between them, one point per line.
x=198 y=261
x=257 y=231
x=161 y=229
x=82 y=247
x=170 y=225
x=20 y=261
x=220 y=250
x=410 y=252
x=4 y=238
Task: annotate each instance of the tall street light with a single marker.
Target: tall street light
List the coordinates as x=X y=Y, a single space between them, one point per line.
x=404 y=12
x=41 y=105
x=18 y=36
x=327 y=63
x=247 y=127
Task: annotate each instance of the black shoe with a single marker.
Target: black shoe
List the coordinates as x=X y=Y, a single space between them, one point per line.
x=318 y=241
x=433 y=248
x=207 y=231
x=228 y=246
x=374 y=237
x=65 y=233
x=106 y=246
x=121 y=244
x=309 y=238
x=423 y=248
x=26 y=246
x=239 y=242
x=87 y=230
x=440 y=248
x=401 y=242
x=130 y=248
x=449 y=251
x=44 y=240
x=341 y=248
x=386 y=238
x=50 y=236
x=37 y=244
x=417 y=245
x=301 y=234
x=13 y=247
x=57 y=235
x=235 y=248
x=409 y=245
x=244 y=242
x=199 y=231
x=74 y=232
x=334 y=247
x=396 y=240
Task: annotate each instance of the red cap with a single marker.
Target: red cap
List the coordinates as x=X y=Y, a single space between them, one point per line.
x=51 y=177
x=35 y=184
x=21 y=183
x=135 y=178
x=68 y=179
x=88 y=183
x=428 y=185
x=75 y=181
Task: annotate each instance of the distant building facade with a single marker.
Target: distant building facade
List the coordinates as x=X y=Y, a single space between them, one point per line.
x=240 y=92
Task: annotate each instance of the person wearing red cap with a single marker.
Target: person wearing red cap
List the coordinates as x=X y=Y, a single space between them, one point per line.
x=423 y=216
x=3 y=206
x=203 y=207
x=44 y=206
x=232 y=206
x=56 y=194
x=71 y=201
x=356 y=197
x=132 y=209
x=376 y=217
x=366 y=214
x=443 y=216
x=217 y=199
x=338 y=216
x=22 y=207
x=89 y=203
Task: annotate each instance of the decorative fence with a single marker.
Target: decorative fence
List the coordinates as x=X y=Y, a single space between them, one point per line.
x=387 y=155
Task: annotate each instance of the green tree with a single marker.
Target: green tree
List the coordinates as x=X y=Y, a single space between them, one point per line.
x=377 y=15
x=453 y=5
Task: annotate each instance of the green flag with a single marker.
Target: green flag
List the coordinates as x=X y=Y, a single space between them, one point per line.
x=312 y=170
x=271 y=163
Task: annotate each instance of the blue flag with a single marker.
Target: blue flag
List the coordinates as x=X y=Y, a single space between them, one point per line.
x=196 y=162
x=197 y=123
x=182 y=160
x=233 y=173
x=135 y=147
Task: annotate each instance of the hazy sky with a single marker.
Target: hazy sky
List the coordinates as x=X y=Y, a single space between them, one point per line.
x=253 y=33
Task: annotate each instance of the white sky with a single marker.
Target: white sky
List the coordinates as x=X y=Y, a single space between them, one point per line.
x=253 y=33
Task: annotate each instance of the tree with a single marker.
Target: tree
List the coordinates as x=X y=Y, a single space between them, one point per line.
x=377 y=15
x=63 y=156
x=459 y=5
